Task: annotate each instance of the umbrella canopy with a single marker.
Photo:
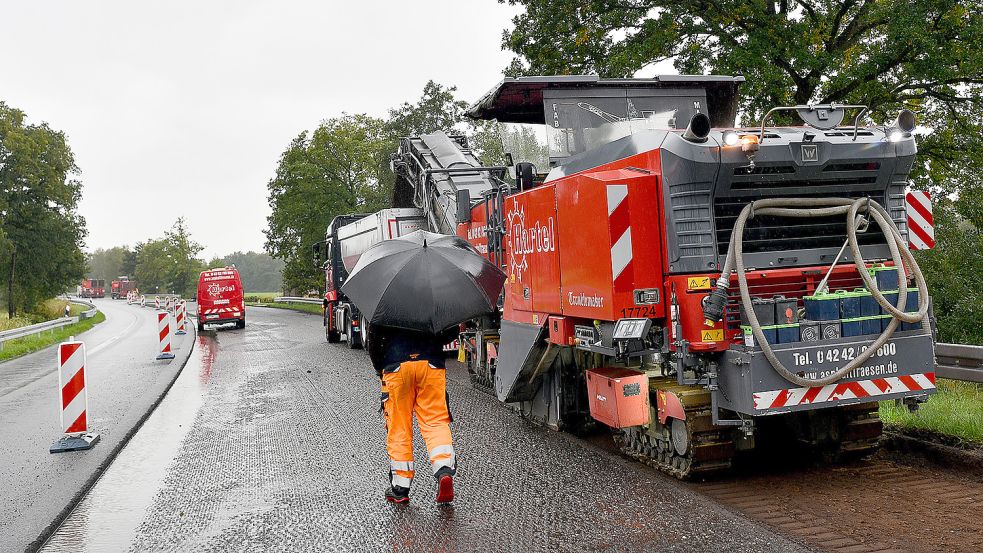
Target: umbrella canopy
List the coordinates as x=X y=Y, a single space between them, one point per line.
x=423 y=281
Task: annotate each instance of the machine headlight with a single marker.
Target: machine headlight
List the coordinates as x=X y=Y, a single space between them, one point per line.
x=731 y=138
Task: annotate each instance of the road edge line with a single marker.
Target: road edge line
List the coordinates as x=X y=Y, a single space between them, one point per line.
x=63 y=515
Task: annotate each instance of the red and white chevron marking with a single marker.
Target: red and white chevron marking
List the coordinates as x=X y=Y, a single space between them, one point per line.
x=921 y=223
x=71 y=383
x=620 y=229
x=219 y=310
x=164 y=331
x=844 y=390
x=179 y=312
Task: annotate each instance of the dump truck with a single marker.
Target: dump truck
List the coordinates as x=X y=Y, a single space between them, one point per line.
x=122 y=286
x=695 y=286
x=346 y=239
x=92 y=288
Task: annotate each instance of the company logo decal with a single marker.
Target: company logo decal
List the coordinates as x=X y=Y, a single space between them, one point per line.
x=583 y=300
x=476 y=232
x=527 y=238
x=217 y=289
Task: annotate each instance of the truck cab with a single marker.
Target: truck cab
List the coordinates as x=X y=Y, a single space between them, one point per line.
x=346 y=239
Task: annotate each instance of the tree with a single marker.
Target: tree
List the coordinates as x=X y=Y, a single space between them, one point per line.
x=340 y=168
x=171 y=263
x=41 y=234
x=184 y=252
x=492 y=140
x=436 y=110
x=922 y=54
x=332 y=171
x=153 y=270
x=259 y=272
x=954 y=273
x=109 y=263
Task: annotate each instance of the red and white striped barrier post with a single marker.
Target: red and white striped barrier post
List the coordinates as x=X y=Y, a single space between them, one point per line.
x=167 y=303
x=164 y=332
x=73 y=399
x=180 y=314
x=156 y=302
x=921 y=221
x=143 y=301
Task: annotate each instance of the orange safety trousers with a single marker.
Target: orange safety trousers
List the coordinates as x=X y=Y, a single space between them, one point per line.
x=416 y=386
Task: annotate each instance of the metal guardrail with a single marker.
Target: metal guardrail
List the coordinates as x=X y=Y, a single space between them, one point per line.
x=30 y=330
x=85 y=314
x=25 y=331
x=288 y=299
x=959 y=362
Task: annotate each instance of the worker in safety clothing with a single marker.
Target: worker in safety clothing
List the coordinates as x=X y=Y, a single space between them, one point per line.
x=411 y=366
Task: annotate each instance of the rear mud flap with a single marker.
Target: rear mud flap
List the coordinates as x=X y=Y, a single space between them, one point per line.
x=523 y=357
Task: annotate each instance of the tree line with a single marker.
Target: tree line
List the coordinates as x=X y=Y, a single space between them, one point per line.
x=342 y=167
x=171 y=264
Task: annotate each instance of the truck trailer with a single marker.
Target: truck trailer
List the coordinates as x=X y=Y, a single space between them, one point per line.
x=693 y=285
x=346 y=239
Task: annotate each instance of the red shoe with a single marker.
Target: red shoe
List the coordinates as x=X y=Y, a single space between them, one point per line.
x=398 y=495
x=445 y=489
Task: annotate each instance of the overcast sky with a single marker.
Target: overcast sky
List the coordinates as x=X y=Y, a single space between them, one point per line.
x=183 y=108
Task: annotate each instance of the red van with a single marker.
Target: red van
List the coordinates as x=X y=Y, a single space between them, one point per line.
x=220 y=298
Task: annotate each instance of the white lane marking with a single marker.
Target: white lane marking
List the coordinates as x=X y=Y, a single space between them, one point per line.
x=108 y=342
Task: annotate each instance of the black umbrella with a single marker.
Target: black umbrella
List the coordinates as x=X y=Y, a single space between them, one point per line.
x=423 y=281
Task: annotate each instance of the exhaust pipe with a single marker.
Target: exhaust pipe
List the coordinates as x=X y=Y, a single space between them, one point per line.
x=902 y=126
x=905 y=121
x=698 y=129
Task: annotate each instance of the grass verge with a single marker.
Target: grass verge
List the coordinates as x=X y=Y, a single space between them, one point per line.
x=30 y=344
x=956 y=411
x=46 y=311
x=305 y=307
x=260 y=297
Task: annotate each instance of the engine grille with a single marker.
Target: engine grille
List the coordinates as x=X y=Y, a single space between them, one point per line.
x=770 y=233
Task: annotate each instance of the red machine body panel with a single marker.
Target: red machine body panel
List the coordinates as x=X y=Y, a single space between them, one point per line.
x=562 y=331
x=618 y=397
x=531 y=252
x=583 y=245
x=611 y=234
x=475 y=232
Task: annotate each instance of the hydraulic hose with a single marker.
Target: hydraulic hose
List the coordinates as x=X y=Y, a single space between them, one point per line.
x=812 y=208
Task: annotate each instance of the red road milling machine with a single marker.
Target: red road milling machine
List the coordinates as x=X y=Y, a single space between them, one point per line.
x=615 y=309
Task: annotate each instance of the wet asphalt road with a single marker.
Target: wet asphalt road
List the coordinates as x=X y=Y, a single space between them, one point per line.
x=271 y=441
x=123 y=381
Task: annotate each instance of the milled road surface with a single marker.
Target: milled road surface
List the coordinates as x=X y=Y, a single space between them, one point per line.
x=271 y=440
x=123 y=381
